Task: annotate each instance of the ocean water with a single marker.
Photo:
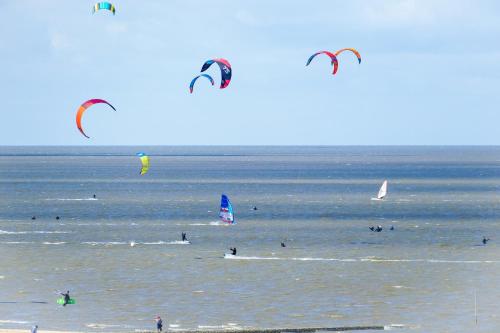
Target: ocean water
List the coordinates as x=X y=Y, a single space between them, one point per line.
x=334 y=271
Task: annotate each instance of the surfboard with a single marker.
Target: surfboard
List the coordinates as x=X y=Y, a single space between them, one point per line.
x=61 y=301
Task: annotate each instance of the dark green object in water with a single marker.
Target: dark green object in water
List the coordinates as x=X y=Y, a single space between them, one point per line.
x=61 y=301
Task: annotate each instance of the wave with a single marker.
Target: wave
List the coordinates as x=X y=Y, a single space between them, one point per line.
x=17 y=242
x=13 y=322
x=53 y=243
x=167 y=243
x=4 y=232
x=72 y=199
x=103 y=326
x=216 y=223
x=219 y=327
x=364 y=260
x=133 y=243
x=105 y=243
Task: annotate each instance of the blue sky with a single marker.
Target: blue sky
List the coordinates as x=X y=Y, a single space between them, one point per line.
x=430 y=72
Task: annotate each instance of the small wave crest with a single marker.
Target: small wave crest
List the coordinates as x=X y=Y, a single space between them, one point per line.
x=19 y=322
x=228 y=256
x=213 y=223
x=72 y=199
x=5 y=232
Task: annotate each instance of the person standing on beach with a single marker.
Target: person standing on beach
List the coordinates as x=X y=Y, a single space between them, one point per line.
x=159 y=324
x=34 y=329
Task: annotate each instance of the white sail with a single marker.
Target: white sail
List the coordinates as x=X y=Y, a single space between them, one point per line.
x=383 y=191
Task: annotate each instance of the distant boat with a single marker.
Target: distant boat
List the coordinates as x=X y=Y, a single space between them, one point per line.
x=382 y=192
x=226 y=210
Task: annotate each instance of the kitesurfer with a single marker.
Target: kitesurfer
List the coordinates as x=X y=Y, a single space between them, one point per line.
x=159 y=324
x=66 y=297
x=184 y=239
x=485 y=240
x=233 y=250
x=283 y=244
x=392 y=227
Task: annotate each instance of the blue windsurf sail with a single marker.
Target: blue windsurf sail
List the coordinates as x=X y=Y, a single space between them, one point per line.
x=226 y=210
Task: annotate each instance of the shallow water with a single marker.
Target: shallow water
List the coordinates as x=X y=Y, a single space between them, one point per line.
x=333 y=272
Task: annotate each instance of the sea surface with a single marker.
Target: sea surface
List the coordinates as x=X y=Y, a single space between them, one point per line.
x=427 y=274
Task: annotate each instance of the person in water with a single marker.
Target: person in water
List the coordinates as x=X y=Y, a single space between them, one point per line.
x=94 y=196
x=372 y=228
x=379 y=228
x=57 y=217
x=233 y=250
x=33 y=217
x=184 y=239
x=159 y=324
x=392 y=227
x=283 y=244
x=485 y=240
x=66 y=297
x=254 y=207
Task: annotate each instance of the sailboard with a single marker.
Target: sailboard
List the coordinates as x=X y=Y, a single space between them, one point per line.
x=382 y=192
x=226 y=210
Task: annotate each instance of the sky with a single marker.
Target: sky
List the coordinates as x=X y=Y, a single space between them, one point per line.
x=430 y=73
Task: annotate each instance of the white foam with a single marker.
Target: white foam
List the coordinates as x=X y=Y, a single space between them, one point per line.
x=102 y=326
x=5 y=232
x=230 y=256
x=53 y=243
x=13 y=322
x=105 y=243
x=72 y=199
x=17 y=242
x=213 y=223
